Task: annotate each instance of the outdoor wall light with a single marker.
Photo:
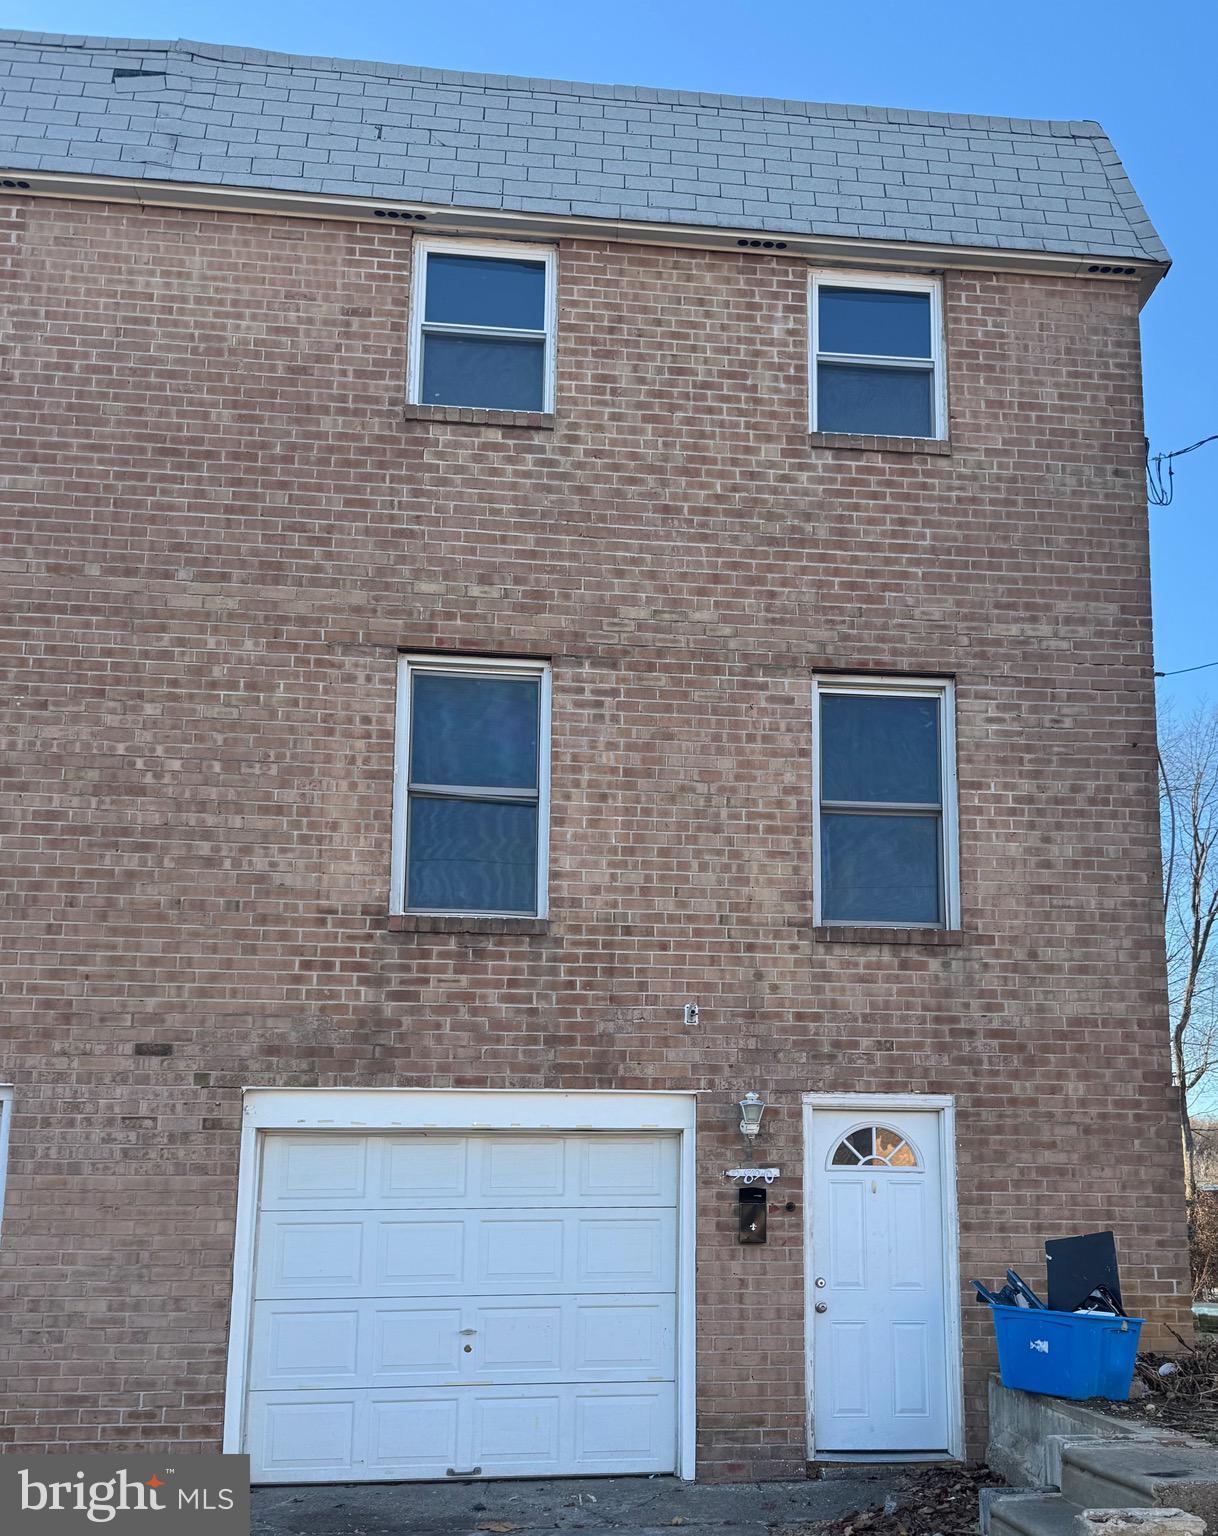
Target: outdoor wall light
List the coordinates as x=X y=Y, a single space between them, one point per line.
x=752 y=1107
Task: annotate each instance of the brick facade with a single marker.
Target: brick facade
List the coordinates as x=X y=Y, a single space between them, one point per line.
x=223 y=526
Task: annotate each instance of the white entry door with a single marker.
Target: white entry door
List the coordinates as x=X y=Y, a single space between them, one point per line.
x=439 y=1305
x=878 y=1330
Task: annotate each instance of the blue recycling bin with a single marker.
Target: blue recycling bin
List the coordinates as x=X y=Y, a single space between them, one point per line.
x=1066 y=1354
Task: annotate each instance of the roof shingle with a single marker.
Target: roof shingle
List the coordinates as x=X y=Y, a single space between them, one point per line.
x=201 y=113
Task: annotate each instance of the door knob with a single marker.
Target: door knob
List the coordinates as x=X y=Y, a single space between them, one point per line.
x=822 y=1306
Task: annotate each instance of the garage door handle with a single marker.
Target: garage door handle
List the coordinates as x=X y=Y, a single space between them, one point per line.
x=473 y=1472
x=469 y=1331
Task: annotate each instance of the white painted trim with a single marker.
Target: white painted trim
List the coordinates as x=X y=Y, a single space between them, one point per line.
x=943 y=1105
x=687 y=1286
x=466 y=1109
x=545 y=706
x=503 y=250
x=499 y=666
x=6 y=1118
x=386 y=1109
x=943 y=689
x=880 y=1100
x=900 y=282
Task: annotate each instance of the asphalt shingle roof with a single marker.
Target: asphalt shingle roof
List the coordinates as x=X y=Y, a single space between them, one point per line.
x=195 y=112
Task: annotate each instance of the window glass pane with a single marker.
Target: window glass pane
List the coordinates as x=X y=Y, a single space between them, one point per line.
x=857 y=397
x=472 y=856
x=496 y=375
x=486 y=290
x=480 y=732
x=874 y=322
x=879 y=748
x=886 y=1141
x=880 y=869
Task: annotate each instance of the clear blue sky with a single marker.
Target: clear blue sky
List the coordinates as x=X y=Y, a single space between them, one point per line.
x=1145 y=71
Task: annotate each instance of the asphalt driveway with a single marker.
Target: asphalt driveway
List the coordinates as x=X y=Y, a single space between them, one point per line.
x=628 y=1506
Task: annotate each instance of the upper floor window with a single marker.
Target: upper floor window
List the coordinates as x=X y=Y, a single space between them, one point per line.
x=483 y=326
x=471 y=787
x=885 y=804
x=877 y=356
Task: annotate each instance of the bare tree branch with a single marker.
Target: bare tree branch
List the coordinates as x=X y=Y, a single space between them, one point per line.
x=1188 y=768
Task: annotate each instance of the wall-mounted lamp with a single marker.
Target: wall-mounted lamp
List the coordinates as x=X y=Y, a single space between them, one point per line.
x=752 y=1107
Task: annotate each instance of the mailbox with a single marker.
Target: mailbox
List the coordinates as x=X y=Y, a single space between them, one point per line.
x=751 y=1211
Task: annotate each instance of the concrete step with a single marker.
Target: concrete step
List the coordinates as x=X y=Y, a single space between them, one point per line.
x=1039 y=1513
x=1142 y=1474
x=1027 y=1431
x=1042 y=1512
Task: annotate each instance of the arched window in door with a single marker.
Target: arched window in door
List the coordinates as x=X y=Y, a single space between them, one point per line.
x=874 y=1146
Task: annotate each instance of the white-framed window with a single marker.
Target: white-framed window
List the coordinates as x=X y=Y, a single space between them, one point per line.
x=6 y=1114
x=471 y=787
x=482 y=325
x=884 y=817
x=877 y=355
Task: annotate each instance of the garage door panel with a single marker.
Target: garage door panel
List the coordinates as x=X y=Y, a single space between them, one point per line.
x=402 y=1343
x=310 y=1344
x=570 y=1430
x=556 y=1431
x=418 y=1257
x=417 y=1436
x=304 y=1438
x=414 y=1343
x=422 y=1170
x=617 y=1251
x=520 y=1339
x=521 y=1252
x=628 y=1430
x=632 y=1337
x=634 y=1168
x=313 y=1170
x=575 y=1250
x=416 y=1171
x=521 y=1169
x=302 y=1257
x=573 y=1339
x=509 y=1252
x=517 y=1429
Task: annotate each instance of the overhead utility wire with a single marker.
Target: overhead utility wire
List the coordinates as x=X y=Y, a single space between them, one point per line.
x=1203 y=667
x=1158 y=490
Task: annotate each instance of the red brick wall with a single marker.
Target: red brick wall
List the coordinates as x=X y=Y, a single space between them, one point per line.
x=221 y=528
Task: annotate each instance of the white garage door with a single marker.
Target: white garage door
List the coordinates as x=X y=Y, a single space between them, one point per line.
x=494 y=1305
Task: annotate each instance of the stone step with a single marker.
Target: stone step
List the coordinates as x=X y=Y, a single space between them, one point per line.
x=1041 y=1512
x=1142 y=1474
x=1031 y=1514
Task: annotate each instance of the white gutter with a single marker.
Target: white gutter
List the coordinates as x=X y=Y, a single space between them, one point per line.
x=827 y=249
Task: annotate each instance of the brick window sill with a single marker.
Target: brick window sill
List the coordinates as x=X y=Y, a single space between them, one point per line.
x=424 y=922
x=863 y=442
x=538 y=420
x=934 y=938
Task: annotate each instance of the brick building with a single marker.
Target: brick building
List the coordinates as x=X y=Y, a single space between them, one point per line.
x=538 y=611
